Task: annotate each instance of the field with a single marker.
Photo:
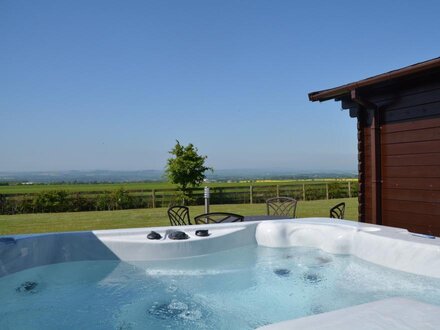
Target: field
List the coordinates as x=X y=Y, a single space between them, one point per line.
x=36 y=188
x=77 y=221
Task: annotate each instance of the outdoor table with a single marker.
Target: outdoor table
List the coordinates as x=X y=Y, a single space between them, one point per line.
x=264 y=217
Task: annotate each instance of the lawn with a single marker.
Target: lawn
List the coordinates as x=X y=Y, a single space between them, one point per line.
x=76 y=221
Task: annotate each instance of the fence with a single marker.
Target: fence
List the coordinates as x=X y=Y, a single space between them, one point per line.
x=62 y=201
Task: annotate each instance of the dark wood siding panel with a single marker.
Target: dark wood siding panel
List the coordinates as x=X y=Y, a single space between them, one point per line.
x=420 y=98
x=411 y=172
x=430 y=196
x=410 y=125
x=411 y=160
x=405 y=90
x=411 y=175
x=411 y=183
x=419 y=111
x=411 y=148
x=418 y=220
x=411 y=207
x=425 y=134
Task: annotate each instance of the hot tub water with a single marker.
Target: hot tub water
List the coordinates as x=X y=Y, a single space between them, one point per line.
x=241 y=288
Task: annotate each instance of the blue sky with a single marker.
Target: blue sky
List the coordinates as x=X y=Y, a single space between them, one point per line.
x=112 y=84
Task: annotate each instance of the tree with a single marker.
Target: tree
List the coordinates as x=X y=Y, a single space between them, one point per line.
x=186 y=169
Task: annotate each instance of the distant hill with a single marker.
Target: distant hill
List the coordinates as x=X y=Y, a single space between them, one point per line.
x=82 y=176
x=157 y=175
x=275 y=174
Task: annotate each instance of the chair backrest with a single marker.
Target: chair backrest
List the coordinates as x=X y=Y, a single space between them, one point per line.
x=218 y=217
x=337 y=211
x=282 y=206
x=179 y=215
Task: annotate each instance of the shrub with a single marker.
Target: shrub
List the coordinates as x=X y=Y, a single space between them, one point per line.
x=121 y=199
x=338 y=190
x=24 y=205
x=52 y=201
x=315 y=191
x=104 y=202
x=2 y=204
x=78 y=202
x=354 y=189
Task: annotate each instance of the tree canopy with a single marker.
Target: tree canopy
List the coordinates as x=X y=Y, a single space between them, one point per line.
x=186 y=169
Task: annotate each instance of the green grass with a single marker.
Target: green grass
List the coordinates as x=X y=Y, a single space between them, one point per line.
x=36 y=188
x=77 y=221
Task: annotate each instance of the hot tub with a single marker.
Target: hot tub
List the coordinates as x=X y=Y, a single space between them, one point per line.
x=312 y=273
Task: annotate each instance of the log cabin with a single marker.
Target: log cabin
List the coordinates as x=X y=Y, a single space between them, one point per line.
x=398 y=132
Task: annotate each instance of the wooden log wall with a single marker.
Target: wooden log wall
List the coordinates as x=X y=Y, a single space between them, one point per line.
x=410 y=157
x=411 y=175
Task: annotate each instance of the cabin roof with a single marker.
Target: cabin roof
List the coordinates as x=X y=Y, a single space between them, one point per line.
x=395 y=75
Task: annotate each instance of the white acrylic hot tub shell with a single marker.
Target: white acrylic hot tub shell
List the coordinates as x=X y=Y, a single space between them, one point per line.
x=390 y=247
x=387 y=314
x=132 y=245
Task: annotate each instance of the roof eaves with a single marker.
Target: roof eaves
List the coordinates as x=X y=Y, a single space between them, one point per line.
x=340 y=91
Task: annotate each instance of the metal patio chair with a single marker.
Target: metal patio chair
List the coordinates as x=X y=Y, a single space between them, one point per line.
x=217 y=217
x=337 y=211
x=179 y=216
x=281 y=206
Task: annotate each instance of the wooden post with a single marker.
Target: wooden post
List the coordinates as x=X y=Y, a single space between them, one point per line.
x=251 y=190
x=304 y=191
x=326 y=191
x=375 y=169
x=153 y=197
x=375 y=156
x=349 y=189
x=278 y=190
